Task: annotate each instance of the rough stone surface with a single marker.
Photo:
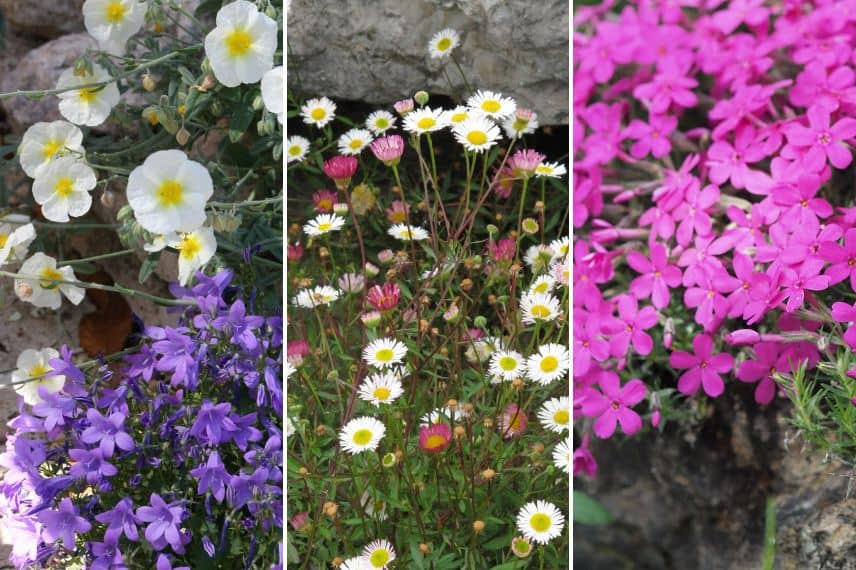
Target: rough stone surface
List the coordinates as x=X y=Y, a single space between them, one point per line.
x=44 y=19
x=377 y=51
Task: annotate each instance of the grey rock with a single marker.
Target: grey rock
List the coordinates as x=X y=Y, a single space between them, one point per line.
x=377 y=51
x=44 y=19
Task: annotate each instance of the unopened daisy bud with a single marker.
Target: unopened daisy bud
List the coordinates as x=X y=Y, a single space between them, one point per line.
x=208 y=83
x=539 y=206
x=421 y=98
x=323 y=252
x=330 y=509
x=303 y=471
x=386 y=256
x=498 y=216
x=466 y=284
x=468 y=408
x=444 y=351
x=294 y=229
x=333 y=375
x=491 y=299
x=337 y=561
x=321 y=430
x=424 y=325
x=149 y=83
x=537 y=448
x=435 y=331
x=488 y=474
x=403 y=107
x=340 y=208
x=488 y=423
x=423 y=548
x=182 y=136
x=530 y=226
x=372 y=270
x=517 y=383
x=388 y=460
x=492 y=229
x=520 y=546
x=480 y=321
x=451 y=314
x=478 y=526
x=452 y=404
x=668 y=332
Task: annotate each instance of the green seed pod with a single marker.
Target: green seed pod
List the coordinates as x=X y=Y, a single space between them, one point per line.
x=421 y=97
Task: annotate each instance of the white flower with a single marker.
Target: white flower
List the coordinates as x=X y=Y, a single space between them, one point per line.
x=540 y=521
x=560 y=247
x=561 y=270
x=483 y=348
x=354 y=141
x=539 y=307
x=44 y=142
x=272 y=92
x=113 y=22
x=477 y=134
x=63 y=188
x=380 y=121
x=361 y=434
x=15 y=239
x=318 y=112
x=356 y=563
x=384 y=352
x=459 y=114
x=491 y=104
x=241 y=46
x=407 y=233
x=563 y=457
x=195 y=249
x=373 y=508
x=90 y=106
x=555 y=414
x=551 y=362
x=379 y=553
x=506 y=364
x=41 y=289
x=443 y=42
x=317 y=296
x=296 y=148
x=32 y=363
x=517 y=127
x=324 y=223
x=352 y=282
x=425 y=120
x=539 y=257
x=168 y=192
x=550 y=170
x=289 y=428
x=543 y=284
x=380 y=389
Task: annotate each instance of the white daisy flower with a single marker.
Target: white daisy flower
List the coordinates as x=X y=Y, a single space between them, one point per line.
x=477 y=134
x=550 y=170
x=354 y=141
x=561 y=270
x=563 y=455
x=361 y=434
x=288 y=370
x=555 y=414
x=380 y=121
x=380 y=389
x=318 y=112
x=317 y=296
x=63 y=188
x=538 y=258
x=539 y=307
x=434 y=417
x=516 y=127
x=459 y=114
x=540 y=521
x=296 y=148
x=384 y=352
x=90 y=106
x=272 y=92
x=195 y=249
x=491 y=104
x=241 y=46
x=41 y=289
x=168 y=192
x=32 y=363
x=379 y=553
x=324 y=223
x=113 y=22
x=506 y=364
x=560 y=247
x=43 y=142
x=356 y=563
x=15 y=239
x=407 y=233
x=543 y=284
x=443 y=42
x=289 y=428
x=551 y=362
x=373 y=508
x=481 y=349
x=425 y=120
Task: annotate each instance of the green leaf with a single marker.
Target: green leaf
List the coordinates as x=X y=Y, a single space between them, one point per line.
x=589 y=511
x=240 y=122
x=148 y=267
x=292 y=556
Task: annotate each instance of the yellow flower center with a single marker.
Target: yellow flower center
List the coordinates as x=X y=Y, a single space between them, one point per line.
x=507 y=363
x=520 y=125
x=49 y=277
x=444 y=44
x=491 y=106
x=542 y=287
x=64 y=186
x=384 y=355
x=170 y=193
x=3 y=239
x=516 y=422
x=561 y=417
x=318 y=113
x=382 y=123
x=189 y=246
x=182 y=109
x=356 y=144
x=362 y=436
x=115 y=12
x=435 y=441
x=477 y=138
x=39 y=370
x=294 y=150
x=88 y=95
x=458 y=117
x=382 y=393
x=549 y=363
x=540 y=522
x=541 y=169
x=238 y=42
x=379 y=558
x=426 y=123
x=324 y=227
x=541 y=311
x=51 y=148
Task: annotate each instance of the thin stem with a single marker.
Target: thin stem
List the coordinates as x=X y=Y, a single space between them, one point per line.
x=463 y=75
x=96 y=257
x=82 y=366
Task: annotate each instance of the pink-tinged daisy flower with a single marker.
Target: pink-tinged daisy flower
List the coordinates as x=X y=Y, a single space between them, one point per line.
x=651 y=137
x=296 y=350
x=385 y=297
x=323 y=201
x=704 y=368
x=294 y=252
x=388 y=149
x=821 y=141
x=524 y=162
x=657 y=275
x=612 y=405
x=635 y=322
x=767 y=362
x=404 y=106
x=512 y=422
x=398 y=212
x=341 y=169
x=435 y=437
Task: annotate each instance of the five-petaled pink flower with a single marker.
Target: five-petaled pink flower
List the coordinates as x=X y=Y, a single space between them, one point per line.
x=821 y=141
x=634 y=324
x=652 y=136
x=844 y=313
x=761 y=370
x=704 y=367
x=657 y=275
x=612 y=405
x=842 y=258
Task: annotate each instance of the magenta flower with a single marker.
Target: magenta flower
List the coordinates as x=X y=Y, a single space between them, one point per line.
x=708 y=299
x=815 y=86
x=323 y=201
x=384 y=298
x=669 y=86
x=524 y=162
x=750 y=12
x=635 y=322
x=588 y=344
x=704 y=368
x=820 y=141
x=388 y=149
x=807 y=278
x=808 y=241
x=584 y=461
x=693 y=212
x=657 y=275
x=341 y=169
x=613 y=406
x=842 y=258
x=798 y=199
x=844 y=313
x=761 y=370
x=651 y=137
x=728 y=162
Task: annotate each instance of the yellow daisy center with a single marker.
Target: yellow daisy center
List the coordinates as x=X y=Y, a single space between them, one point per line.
x=51 y=148
x=324 y=227
x=541 y=311
x=549 y=363
x=517 y=422
x=426 y=123
x=294 y=150
x=379 y=558
x=170 y=193
x=540 y=522
x=115 y=12
x=3 y=239
x=88 y=95
x=435 y=441
x=318 y=113
x=477 y=138
x=542 y=287
x=520 y=125
x=49 y=277
x=561 y=417
x=541 y=169
x=507 y=363
x=381 y=123
x=444 y=44
x=491 y=106
x=458 y=117
x=384 y=355
x=362 y=436
x=189 y=247
x=39 y=370
x=356 y=144
x=382 y=393
x=64 y=186
x=238 y=42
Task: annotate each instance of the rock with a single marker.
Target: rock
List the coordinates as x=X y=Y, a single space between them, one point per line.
x=377 y=51
x=44 y=19
x=826 y=539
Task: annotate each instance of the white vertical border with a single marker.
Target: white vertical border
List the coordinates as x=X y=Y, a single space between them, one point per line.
x=570 y=316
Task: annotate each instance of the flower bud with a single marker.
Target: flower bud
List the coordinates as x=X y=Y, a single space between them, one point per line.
x=466 y=284
x=488 y=474
x=386 y=256
x=655 y=418
x=478 y=526
x=460 y=432
x=742 y=337
x=330 y=509
x=206 y=66
x=388 y=460
x=149 y=83
x=258 y=103
x=371 y=319
x=492 y=229
x=530 y=226
x=340 y=208
x=668 y=332
x=182 y=136
x=421 y=98
x=372 y=270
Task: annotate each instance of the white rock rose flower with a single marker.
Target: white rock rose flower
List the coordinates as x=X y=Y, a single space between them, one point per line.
x=32 y=363
x=90 y=106
x=15 y=238
x=44 y=142
x=40 y=287
x=241 y=46
x=272 y=92
x=63 y=188
x=195 y=249
x=113 y=22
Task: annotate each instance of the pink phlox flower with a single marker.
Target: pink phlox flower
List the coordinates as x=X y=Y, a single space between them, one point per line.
x=766 y=294
x=822 y=140
x=604 y=143
x=751 y=228
x=670 y=85
x=748 y=278
x=807 y=278
x=798 y=201
x=701 y=260
x=823 y=49
x=816 y=85
x=727 y=162
x=661 y=222
x=703 y=368
x=588 y=199
x=844 y=313
x=841 y=258
x=651 y=137
x=612 y=405
x=657 y=276
x=807 y=240
x=749 y=12
x=745 y=59
x=600 y=54
x=584 y=461
x=771 y=251
x=708 y=298
x=694 y=213
x=747 y=100
x=761 y=370
x=635 y=322
x=589 y=344
x=676 y=183
x=584 y=386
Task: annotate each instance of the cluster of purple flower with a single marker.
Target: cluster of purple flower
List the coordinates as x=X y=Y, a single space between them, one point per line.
x=175 y=461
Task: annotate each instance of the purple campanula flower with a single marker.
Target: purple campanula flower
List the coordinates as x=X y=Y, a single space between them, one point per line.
x=241 y=487
x=107 y=432
x=48 y=489
x=241 y=429
x=177 y=356
x=22 y=459
x=64 y=366
x=121 y=519
x=24 y=534
x=90 y=464
x=213 y=476
x=54 y=408
x=275 y=325
x=163 y=563
x=63 y=523
x=164 y=522
x=106 y=554
x=208 y=546
x=209 y=423
x=240 y=326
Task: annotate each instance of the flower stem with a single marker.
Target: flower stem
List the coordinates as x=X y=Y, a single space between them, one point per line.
x=96 y=257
